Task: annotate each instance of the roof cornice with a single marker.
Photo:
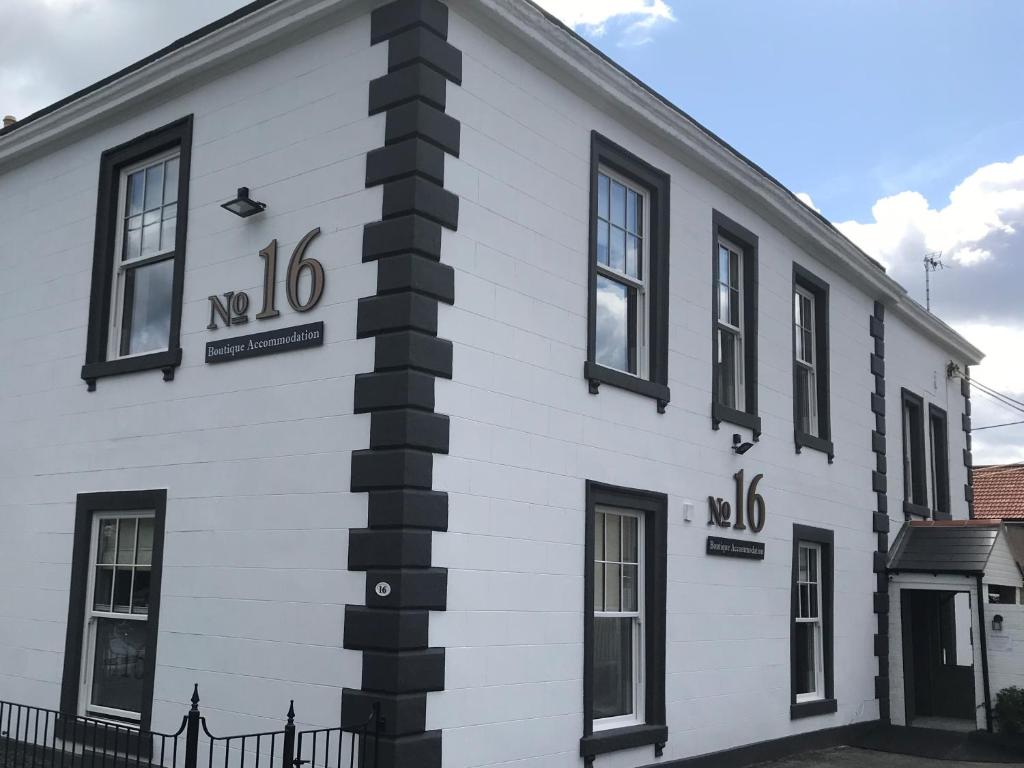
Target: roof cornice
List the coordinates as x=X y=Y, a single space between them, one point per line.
x=714 y=158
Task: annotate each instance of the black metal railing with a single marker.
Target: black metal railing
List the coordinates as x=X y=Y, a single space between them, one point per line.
x=34 y=737
x=326 y=747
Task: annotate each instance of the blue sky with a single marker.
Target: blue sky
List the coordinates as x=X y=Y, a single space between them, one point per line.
x=900 y=120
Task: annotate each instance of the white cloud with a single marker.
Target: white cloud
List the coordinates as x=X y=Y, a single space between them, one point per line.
x=981 y=234
x=805 y=198
x=986 y=205
x=593 y=16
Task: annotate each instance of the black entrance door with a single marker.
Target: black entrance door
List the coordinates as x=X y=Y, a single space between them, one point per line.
x=938 y=656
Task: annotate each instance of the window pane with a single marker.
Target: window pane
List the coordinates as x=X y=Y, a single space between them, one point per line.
x=171 y=181
x=805 y=658
x=640 y=215
x=144 y=554
x=734 y=307
x=613 y=667
x=618 y=211
x=598 y=586
x=119 y=664
x=629 y=551
x=612 y=538
x=107 y=538
x=612 y=574
x=151 y=239
x=140 y=592
x=631 y=211
x=154 y=186
x=633 y=256
x=802 y=563
x=136 y=187
x=602 y=243
x=629 y=588
x=808 y=347
x=804 y=598
x=612 y=324
x=734 y=270
x=602 y=196
x=101 y=589
x=727 y=369
x=148 y=297
x=617 y=249
x=724 y=311
x=167 y=233
x=723 y=265
x=126 y=542
x=122 y=590
x=599 y=537
x=805 y=398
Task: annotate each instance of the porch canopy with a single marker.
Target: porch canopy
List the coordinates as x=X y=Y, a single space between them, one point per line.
x=944 y=546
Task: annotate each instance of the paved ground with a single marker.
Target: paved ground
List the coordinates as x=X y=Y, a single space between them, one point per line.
x=851 y=757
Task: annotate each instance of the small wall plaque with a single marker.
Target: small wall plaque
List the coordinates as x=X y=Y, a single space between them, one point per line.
x=749 y=550
x=266 y=343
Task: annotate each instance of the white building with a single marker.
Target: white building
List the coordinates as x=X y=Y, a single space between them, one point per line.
x=587 y=448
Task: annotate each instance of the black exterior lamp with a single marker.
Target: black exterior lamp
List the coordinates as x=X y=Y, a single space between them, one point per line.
x=739 y=447
x=997 y=623
x=243 y=205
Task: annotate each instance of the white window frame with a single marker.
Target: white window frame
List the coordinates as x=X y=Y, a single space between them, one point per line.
x=120 y=267
x=812 y=366
x=739 y=365
x=642 y=286
x=639 y=640
x=818 y=634
x=86 y=708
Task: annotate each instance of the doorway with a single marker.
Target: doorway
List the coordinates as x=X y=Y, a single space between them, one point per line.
x=938 y=659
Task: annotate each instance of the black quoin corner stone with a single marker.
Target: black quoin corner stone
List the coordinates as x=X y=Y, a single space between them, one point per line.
x=880 y=517
x=396 y=471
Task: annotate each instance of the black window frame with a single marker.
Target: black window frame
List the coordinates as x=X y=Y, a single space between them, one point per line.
x=940 y=502
x=819 y=289
x=176 y=135
x=654 y=508
x=825 y=538
x=723 y=226
x=88 y=505
x=656 y=184
x=915 y=499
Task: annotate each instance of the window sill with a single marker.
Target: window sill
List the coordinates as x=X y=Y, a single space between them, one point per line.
x=615 y=739
x=803 y=440
x=917 y=510
x=167 y=361
x=812 y=708
x=720 y=413
x=597 y=375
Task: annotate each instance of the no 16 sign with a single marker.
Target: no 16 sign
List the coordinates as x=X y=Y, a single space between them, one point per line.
x=235 y=307
x=720 y=513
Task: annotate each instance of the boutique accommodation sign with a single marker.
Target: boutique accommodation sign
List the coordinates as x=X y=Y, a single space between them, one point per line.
x=748 y=514
x=233 y=309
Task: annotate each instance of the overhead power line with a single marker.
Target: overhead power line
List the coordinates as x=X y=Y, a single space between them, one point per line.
x=995 y=426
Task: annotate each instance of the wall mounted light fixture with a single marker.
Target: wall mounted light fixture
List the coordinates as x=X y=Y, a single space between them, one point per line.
x=997 y=623
x=243 y=205
x=738 y=446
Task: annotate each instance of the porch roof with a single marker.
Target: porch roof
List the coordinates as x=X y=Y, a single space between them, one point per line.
x=944 y=546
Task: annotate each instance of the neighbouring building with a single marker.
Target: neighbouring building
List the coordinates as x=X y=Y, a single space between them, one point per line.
x=417 y=354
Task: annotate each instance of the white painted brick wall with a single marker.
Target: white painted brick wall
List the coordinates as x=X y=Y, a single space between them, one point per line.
x=526 y=435
x=921 y=368
x=1005 y=657
x=254 y=454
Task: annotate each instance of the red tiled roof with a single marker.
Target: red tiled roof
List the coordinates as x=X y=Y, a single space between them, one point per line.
x=999 y=492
